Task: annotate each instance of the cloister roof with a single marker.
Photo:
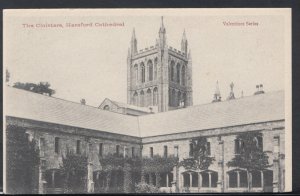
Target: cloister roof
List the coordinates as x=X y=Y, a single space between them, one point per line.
x=247 y=110
x=33 y=106
x=253 y=109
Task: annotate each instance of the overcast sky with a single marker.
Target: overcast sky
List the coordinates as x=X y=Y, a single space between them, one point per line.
x=91 y=62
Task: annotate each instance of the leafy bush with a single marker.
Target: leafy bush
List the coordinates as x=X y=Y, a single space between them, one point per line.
x=145 y=188
x=74 y=170
x=22 y=161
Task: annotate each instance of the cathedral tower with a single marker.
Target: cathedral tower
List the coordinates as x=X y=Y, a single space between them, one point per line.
x=159 y=76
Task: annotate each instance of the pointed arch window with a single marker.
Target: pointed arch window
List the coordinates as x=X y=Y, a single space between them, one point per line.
x=135 y=98
x=143 y=72
x=142 y=99
x=136 y=74
x=155 y=68
x=178 y=73
x=170 y=97
x=183 y=75
x=173 y=98
x=150 y=69
x=172 y=70
x=148 y=101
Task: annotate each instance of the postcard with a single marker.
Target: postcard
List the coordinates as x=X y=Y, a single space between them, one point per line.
x=147 y=100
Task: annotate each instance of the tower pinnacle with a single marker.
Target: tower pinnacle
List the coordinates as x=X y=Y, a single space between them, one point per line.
x=162 y=27
x=133 y=43
x=184 y=43
x=133 y=34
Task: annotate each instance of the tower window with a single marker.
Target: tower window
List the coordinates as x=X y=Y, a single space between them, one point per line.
x=183 y=75
x=178 y=73
x=172 y=70
x=106 y=107
x=143 y=73
x=155 y=69
x=142 y=99
x=136 y=72
x=135 y=98
x=148 y=101
x=150 y=69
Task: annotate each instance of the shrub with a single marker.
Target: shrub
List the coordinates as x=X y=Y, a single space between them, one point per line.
x=145 y=188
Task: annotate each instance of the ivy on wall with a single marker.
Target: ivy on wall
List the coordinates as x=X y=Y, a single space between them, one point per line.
x=251 y=156
x=74 y=172
x=22 y=161
x=200 y=160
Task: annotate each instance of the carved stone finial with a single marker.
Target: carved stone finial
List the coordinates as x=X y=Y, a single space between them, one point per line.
x=231 y=94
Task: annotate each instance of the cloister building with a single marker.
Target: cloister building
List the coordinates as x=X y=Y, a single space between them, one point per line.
x=161 y=77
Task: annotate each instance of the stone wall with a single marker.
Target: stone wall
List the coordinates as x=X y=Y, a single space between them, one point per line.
x=222 y=149
x=221 y=144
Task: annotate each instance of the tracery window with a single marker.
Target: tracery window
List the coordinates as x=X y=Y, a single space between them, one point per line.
x=183 y=75
x=178 y=73
x=143 y=72
x=150 y=69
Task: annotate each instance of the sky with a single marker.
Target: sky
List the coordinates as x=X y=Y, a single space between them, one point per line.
x=91 y=62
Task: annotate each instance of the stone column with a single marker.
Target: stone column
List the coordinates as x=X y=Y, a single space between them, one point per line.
x=177 y=179
x=262 y=179
x=90 y=178
x=52 y=178
x=167 y=180
x=191 y=179
x=209 y=179
x=42 y=182
x=238 y=178
x=276 y=164
x=173 y=183
x=199 y=181
x=221 y=180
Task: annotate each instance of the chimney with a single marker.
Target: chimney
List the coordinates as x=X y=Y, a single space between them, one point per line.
x=259 y=89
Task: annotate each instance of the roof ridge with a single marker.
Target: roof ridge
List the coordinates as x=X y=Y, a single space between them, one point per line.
x=46 y=96
x=221 y=102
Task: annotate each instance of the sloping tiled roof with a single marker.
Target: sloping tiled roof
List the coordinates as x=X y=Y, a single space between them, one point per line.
x=253 y=109
x=28 y=105
x=247 y=110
